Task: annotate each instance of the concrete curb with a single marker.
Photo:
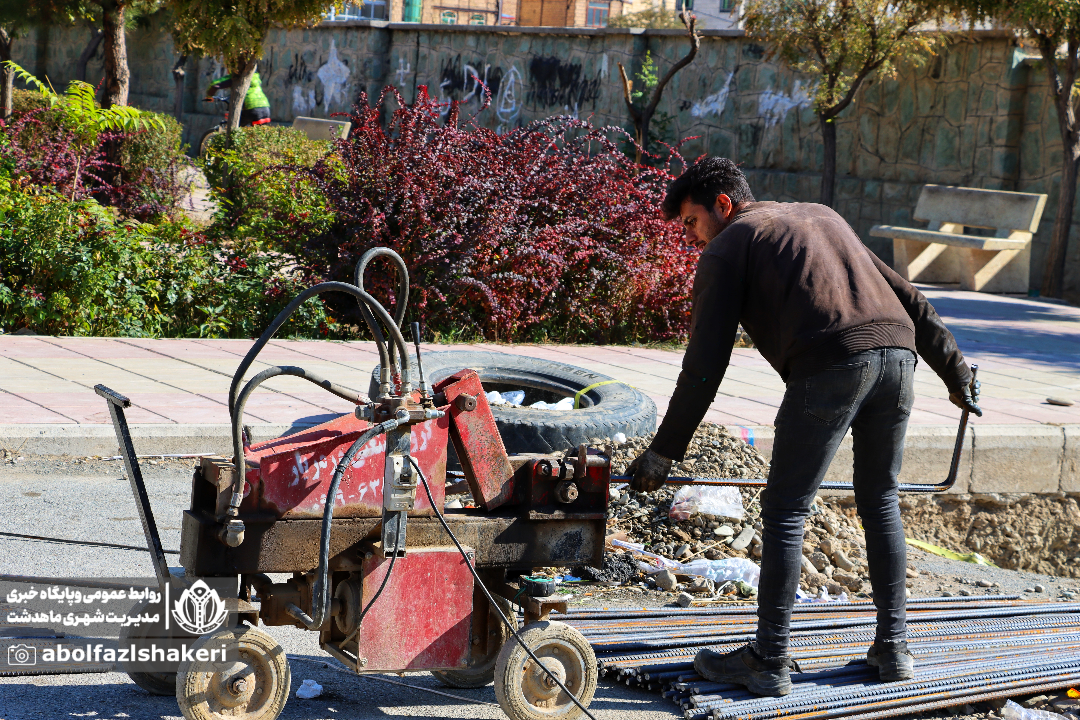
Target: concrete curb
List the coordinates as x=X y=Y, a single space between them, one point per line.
x=149 y=439
x=996 y=458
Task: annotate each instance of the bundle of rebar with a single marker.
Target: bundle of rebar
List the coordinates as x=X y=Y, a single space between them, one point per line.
x=966 y=650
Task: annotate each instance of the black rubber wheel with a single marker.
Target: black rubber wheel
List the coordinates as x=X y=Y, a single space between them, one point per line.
x=483 y=672
x=604 y=410
x=155 y=683
x=207 y=138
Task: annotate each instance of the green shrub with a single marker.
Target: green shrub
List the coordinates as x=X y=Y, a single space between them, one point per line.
x=152 y=163
x=259 y=185
x=72 y=268
x=24 y=101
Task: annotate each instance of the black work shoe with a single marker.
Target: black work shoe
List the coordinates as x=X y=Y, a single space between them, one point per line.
x=892 y=659
x=760 y=675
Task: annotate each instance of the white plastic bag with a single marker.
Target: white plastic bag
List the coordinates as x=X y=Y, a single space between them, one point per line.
x=723 y=570
x=494 y=397
x=716 y=570
x=1012 y=711
x=514 y=397
x=310 y=689
x=718 y=501
x=567 y=403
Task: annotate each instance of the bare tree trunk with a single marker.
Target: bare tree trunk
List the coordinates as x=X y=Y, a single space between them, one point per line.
x=117 y=76
x=240 y=78
x=7 y=75
x=1053 y=283
x=179 y=74
x=87 y=53
x=828 y=168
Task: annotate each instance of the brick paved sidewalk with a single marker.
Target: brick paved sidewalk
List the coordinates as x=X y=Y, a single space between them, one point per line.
x=1027 y=350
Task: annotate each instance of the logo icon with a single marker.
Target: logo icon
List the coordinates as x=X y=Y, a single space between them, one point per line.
x=199 y=610
x=21 y=655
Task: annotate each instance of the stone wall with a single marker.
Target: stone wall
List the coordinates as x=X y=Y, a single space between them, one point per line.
x=976 y=115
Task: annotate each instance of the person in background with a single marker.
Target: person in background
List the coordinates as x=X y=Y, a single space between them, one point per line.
x=256 y=105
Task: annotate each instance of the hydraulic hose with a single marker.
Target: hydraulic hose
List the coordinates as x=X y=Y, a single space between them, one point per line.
x=291 y=308
x=480 y=584
x=403 y=287
x=387 y=371
x=237 y=428
x=320 y=595
x=379 y=310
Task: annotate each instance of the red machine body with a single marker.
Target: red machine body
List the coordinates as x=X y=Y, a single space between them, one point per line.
x=293 y=473
x=428 y=621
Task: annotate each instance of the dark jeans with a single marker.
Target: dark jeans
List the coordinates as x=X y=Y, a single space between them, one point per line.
x=870 y=392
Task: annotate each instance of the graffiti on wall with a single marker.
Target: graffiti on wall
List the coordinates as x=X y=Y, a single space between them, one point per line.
x=557 y=83
x=464 y=81
x=333 y=76
x=713 y=104
x=774 y=106
x=508 y=102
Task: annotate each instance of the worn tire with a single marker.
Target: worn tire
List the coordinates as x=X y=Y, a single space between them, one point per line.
x=484 y=672
x=605 y=410
x=520 y=685
x=155 y=683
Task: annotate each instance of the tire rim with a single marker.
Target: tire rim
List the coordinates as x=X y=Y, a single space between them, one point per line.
x=539 y=690
x=242 y=688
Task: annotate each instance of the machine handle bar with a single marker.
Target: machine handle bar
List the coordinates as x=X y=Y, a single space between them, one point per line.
x=954 y=468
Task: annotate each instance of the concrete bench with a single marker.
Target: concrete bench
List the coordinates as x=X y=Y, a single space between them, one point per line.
x=941 y=253
x=317 y=129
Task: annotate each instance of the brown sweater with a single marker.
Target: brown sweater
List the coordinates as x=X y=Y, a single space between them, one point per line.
x=809 y=294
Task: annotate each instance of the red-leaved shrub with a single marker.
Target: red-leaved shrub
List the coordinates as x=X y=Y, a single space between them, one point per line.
x=544 y=232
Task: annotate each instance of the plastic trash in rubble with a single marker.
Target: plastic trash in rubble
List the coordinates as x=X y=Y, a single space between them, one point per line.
x=567 y=403
x=514 y=397
x=310 y=689
x=718 y=501
x=723 y=570
x=1012 y=711
x=494 y=397
x=619 y=438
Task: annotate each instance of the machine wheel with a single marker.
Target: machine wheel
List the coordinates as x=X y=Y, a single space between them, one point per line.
x=483 y=672
x=526 y=692
x=253 y=688
x=155 y=683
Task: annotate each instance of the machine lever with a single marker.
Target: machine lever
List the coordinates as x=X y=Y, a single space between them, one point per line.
x=944 y=486
x=117 y=403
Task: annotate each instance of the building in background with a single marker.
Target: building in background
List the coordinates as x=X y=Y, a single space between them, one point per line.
x=716 y=14
x=712 y=14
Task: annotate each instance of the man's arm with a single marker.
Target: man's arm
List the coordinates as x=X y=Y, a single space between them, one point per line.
x=718 y=298
x=933 y=341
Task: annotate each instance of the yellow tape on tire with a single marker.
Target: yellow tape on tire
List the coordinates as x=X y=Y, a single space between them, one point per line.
x=582 y=391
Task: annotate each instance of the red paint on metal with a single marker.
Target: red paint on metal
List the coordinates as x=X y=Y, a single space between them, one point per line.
x=423 y=620
x=294 y=472
x=477 y=442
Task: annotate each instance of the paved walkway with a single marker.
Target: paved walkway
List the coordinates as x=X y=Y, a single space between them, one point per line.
x=1027 y=350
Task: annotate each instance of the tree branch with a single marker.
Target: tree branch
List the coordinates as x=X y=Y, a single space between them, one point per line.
x=627 y=87
x=695 y=43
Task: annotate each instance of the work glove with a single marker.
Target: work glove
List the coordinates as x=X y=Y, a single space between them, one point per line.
x=968 y=398
x=650 y=471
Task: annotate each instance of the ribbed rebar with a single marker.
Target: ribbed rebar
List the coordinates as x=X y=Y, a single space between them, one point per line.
x=965 y=648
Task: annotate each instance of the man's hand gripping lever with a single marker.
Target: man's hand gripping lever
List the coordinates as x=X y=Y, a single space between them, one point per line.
x=967 y=398
x=649 y=470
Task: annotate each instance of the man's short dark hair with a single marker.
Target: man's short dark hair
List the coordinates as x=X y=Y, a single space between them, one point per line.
x=706 y=179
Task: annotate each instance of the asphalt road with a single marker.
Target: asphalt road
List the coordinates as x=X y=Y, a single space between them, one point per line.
x=92 y=501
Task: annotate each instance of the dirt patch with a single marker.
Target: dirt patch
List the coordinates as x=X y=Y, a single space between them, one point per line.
x=1038 y=533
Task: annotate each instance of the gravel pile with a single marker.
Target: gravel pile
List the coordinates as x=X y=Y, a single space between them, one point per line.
x=833 y=549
